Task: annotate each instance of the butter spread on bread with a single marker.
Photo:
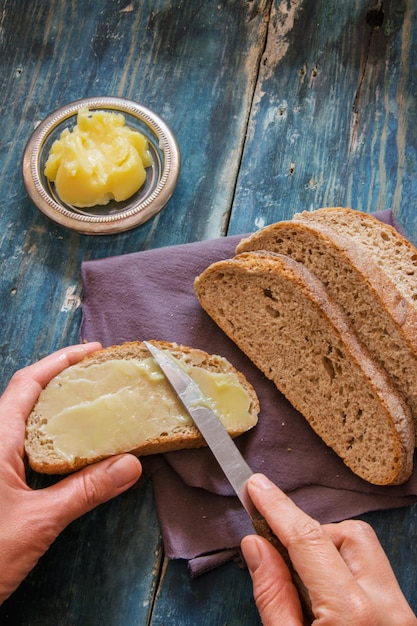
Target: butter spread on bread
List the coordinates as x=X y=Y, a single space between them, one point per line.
x=383 y=319
x=118 y=400
x=282 y=318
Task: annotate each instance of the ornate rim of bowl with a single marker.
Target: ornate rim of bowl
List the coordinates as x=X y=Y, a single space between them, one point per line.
x=114 y=217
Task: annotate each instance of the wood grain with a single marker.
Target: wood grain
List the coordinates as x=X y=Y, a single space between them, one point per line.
x=103 y=569
x=333 y=118
x=223 y=596
x=195 y=66
x=278 y=106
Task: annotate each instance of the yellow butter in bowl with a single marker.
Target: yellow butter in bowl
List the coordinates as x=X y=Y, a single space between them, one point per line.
x=99 y=160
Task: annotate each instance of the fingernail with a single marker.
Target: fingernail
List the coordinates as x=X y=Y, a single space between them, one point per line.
x=260 y=481
x=251 y=553
x=124 y=470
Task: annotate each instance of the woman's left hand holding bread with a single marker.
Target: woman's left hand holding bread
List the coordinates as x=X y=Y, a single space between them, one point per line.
x=30 y=520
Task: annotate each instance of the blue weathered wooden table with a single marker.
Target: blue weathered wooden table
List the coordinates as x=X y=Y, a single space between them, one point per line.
x=278 y=106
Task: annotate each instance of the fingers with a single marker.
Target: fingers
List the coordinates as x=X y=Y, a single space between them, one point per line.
x=81 y=492
x=24 y=388
x=30 y=521
x=27 y=383
x=312 y=551
x=343 y=566
x=273 y=590
x=359 y=547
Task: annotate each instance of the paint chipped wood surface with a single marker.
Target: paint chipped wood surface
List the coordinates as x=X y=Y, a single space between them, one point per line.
x=333 y=120
x=278 y=106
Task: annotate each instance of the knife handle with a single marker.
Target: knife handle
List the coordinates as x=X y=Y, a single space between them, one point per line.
x=263 y=529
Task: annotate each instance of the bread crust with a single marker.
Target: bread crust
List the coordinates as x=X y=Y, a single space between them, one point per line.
x=384 y=320
x=384 y=247
x=39 y=457
x=392 y=252
x=269 y=304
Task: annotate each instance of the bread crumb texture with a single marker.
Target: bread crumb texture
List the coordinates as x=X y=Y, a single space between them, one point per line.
x=291 y=324
x=118 y=400
x=365 y=286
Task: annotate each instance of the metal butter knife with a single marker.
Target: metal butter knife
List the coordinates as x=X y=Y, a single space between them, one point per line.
x=226 y=453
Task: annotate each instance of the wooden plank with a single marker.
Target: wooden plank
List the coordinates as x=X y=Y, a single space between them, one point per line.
x=103 y=569
x=333 y=120
x=333 y=123
x=195 y=64
x=223 y=596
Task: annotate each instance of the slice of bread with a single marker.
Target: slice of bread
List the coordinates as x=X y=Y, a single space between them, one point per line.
x=127 y=405
x=383 y=319
x=282 y=318
x=394 y=254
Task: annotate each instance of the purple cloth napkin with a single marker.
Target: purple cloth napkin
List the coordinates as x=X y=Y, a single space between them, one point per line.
x=149 y=295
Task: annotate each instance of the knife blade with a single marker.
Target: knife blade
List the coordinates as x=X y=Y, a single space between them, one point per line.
x=225 y=451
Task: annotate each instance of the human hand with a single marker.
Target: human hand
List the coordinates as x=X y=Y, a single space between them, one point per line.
x=343 y=566
x=31 y=520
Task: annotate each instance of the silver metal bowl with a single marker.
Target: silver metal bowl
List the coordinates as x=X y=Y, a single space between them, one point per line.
x=114 y=217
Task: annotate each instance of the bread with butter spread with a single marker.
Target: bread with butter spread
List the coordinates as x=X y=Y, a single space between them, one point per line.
x=283 y=319
x=118 y=400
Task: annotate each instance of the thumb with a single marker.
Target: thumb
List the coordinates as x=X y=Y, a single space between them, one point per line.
x=83 y=491
x=275 y=595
